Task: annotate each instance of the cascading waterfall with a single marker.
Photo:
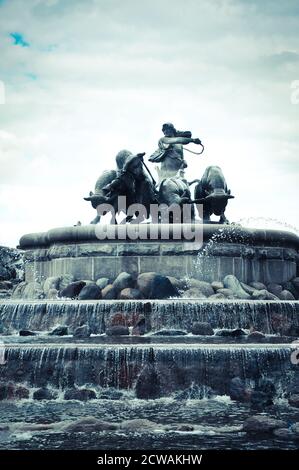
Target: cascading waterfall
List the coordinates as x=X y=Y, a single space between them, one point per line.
x=119 y=366
x=266 y=316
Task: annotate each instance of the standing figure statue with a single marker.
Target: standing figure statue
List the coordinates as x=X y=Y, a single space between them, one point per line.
x=171 y=152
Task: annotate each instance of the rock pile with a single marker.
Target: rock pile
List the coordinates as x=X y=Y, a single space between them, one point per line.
x=151 y=285
x=11 y=270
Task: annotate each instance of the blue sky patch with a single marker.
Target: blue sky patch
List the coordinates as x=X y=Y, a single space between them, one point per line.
x=19 y=40
x=32 y=76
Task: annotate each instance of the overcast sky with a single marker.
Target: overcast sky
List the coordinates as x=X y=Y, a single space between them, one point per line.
x=85 y=79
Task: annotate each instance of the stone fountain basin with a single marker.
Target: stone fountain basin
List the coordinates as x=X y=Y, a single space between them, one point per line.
x=91 y=252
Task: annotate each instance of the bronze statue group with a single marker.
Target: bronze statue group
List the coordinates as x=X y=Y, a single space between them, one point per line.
x=131 y=181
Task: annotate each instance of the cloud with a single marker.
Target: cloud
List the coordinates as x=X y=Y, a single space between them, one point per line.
x=284 y=57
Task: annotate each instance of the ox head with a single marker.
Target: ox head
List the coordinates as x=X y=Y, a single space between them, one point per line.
x=216 y=194
x=96 y=200
x=217 y=198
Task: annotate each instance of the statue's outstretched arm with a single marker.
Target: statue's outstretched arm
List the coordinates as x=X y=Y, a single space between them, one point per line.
x=179 y=140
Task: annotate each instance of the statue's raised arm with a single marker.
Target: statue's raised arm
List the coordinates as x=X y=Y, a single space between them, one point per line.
x=179 y=140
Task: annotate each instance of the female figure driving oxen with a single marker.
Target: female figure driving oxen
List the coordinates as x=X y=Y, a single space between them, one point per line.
x=171 y=152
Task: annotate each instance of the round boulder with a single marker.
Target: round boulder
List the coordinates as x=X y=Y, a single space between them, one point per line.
x=90 y=424
x=117 y=330
x=217 y=296
x=258 y=285
x=102 y=282
x=255 y=336
x=72 y=290
x=180 y=284
x=216 y=285
x=135 y=425
x=289 y=286
x=90 y=292
x=286 y=295
x=193 y=293
x=59 y=330
x=274 y=288
x=109 y=293
x=263 y=294
x=81 y=394
x=231 y=282
x=123 y=281
x=144 y=283
x=249 y=289
x=156 y=286
x=262 y=424
x=202 y=328
x=203 y=287
x=82 y=332
x=130 y=294
x=21 y=392
x=226 y=292
x=27 y=333
x=169 y=333
x=44 y=394
x=237 y=333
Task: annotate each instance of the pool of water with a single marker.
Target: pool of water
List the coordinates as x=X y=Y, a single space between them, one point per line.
x=217 y=424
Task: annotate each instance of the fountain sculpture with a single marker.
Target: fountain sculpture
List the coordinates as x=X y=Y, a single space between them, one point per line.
x=181 y=326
